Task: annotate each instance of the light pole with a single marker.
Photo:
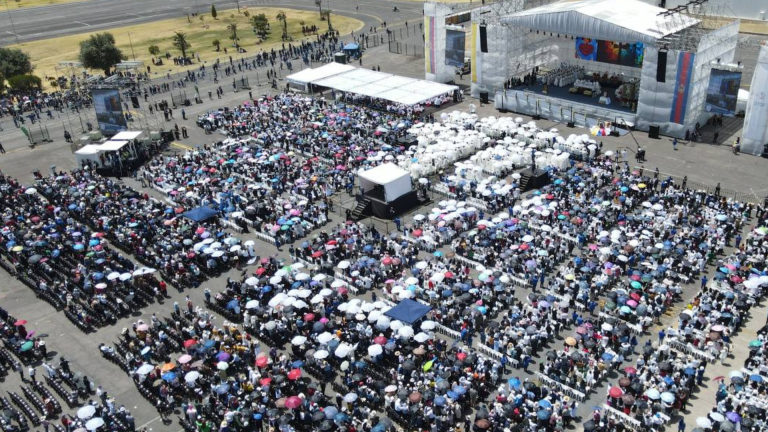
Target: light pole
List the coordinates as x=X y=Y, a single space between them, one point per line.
x=130 y=42
x=11 y=19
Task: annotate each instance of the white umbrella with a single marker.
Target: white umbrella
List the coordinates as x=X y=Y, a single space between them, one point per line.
x=30 y=191
x=298 y=340
x=428 y=325
x=703 y=422
x=421 y=265
x=319 y=277
x=87 y=411
x=344 y=265
x=406 y=331
x=113 y=275
x=191 y=376
x=420 y=337
x=343 y=350
x=302 y=277
x=142 y=370
x=716 y=416
x=321 y=354
x=324 y=337
x=396 y=325
x=252 y=304
x=275 y=279
x=390 y=388
x=222 y=366
x=94 y=424
x=125 y=276
x=350 y=397
x=375 y=350
x=338 y=283
x=325 y=292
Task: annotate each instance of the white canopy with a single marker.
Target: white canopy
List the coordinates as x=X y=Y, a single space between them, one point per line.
x=127 y=135
x=399 y=89
x=611 y=20
x=113 y=145
x=395 y=180
x=310 y=75
x=89 y=149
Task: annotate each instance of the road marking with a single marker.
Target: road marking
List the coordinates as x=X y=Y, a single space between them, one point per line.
x=11 y=33
x=178 y=144
x=78 y=22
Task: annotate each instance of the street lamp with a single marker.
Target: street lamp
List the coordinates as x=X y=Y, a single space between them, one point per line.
x=130 y=42
x=11 y=19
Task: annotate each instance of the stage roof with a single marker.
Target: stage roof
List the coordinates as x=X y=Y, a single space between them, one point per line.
x=407 y=91
x=127 y=135
x=611 y=20
x=113 y=145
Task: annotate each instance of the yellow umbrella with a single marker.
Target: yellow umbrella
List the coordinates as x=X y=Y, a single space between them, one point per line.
x=18 y=248
x=570 y=341
x=641 y=185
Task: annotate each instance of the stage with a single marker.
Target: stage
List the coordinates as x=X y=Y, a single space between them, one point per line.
x=564 y=94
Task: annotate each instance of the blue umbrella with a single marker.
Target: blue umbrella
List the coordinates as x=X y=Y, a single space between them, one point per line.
x=297 y=364
x=439 y=400
x=340 y=417
x=460 y=390
x=438 y=254
x=452 y=394
x=98 y=276
x=330 y=411
x=545 y=403
x=543 y=414
x=78 y=247
x=756 y=378
x=514 y=382
x=209 y=343
x=223 y=388
x=607 y=356
x=169 y=376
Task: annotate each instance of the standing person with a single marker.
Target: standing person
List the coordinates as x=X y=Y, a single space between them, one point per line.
x=674 y=144
x=20 y=370
x=681 y=425
x=31 y=372
x=2 y=149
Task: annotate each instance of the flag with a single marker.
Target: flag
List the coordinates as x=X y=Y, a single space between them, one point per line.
x=475 y=47
x=429 y=51
x=685 y=61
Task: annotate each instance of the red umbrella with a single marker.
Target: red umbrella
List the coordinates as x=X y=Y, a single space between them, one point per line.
x=317 y=254
x=332 y=243
x=294 y=374
x=524 y=246
x=417 y=233
x=293 y=402
x=265 y=381
x=20 y=322
x=615 y=392
x=449 y=275
x=261 y=361
x=630 y=370
x=260 y=271
x=189 y=343
x=386 y=261
x=381 y=340
x=461 y=356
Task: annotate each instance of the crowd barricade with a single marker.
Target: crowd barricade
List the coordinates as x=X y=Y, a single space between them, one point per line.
x=689 y=349
x=566 y=237
x=634 y=328
x=615 y=414
x=232 y=225
x=264 y=237
x=445 y=331
x=515 y=280
x=573 y=393
x=490 y=352
x=442 y=189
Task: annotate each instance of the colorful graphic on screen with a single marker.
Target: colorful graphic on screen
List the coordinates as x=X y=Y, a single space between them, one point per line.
x=109 y=110
x=624 y=54
x=723 y=92
x=454 y=47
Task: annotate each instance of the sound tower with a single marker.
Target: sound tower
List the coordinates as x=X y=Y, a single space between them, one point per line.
x=483 y=39
x=135 y=101
x=661 y=67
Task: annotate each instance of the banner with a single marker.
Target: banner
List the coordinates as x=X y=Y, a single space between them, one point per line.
x=685 y=61
x=429 y=51
x=475 y=42
x=623 y=54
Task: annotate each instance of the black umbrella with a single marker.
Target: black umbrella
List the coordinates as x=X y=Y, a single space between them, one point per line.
x=589 y=426
x=325 y=425
x=409 y=365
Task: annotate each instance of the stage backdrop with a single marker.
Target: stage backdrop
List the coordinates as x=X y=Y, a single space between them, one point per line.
x=755 y=133
x=723 y=92
x=109 y=110
x=454 y=49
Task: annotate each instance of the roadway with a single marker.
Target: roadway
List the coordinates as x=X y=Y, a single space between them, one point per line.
x=46 y=22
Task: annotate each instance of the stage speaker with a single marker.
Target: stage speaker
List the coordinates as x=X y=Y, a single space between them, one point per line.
x=653 y=131
x=571 y=124
x=661 y=67
x=135 y=101
x=483 y=39
x=484 y=97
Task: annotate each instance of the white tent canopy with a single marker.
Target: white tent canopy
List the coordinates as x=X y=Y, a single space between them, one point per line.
x=89 y=152
x=611 y=20
x=310 y=75
x=394 y=88
x=113 y=145
x=127 y=136
x=395 y=180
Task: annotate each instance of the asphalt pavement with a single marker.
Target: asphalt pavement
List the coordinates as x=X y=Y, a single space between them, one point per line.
x=45 y=22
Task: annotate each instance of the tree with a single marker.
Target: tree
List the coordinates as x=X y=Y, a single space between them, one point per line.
x=260 y=24
x=13 y=61
x=217 y=44
x=154 y=50
x=100 y=52
x=181 y=43
x=25 y=83
x=232 y=27
x=282 y=17
x=319 y=4
x=327 y=16
x=213 y=11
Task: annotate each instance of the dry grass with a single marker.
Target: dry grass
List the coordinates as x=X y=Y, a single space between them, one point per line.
x=46 y=54
x=20 y=4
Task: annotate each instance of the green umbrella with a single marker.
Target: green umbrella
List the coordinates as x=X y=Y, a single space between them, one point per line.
x=636 y=285
x=610 y=305
x=285 y=227
x=27 y=346
x=755 y=343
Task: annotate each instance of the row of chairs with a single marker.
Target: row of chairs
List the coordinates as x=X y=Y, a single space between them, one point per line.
x=37 y=402
x=70 y=397
x=12 y=413
x=25 y=408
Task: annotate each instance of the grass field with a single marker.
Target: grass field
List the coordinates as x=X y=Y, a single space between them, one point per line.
x=48 y=53
x=13 y=4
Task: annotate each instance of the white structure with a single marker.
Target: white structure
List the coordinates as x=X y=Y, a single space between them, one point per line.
x=755 y=133
x=394 y=88
x=545 y=37
x=394 y=180
x=752 y=10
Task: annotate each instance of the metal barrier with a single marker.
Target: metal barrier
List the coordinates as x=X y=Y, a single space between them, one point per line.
x=573 y=393
x=699 y=186
x=689 y=349
x=264 y=237
x=485 y=349
x=613 y=413
x=517 y=281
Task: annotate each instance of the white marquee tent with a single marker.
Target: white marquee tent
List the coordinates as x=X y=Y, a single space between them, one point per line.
x=395 y=180
x=394 y=88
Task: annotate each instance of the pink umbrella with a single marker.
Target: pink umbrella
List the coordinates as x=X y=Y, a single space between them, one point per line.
x=323 y=320
x=632 y=303
x=293 y=402
x=186 y=358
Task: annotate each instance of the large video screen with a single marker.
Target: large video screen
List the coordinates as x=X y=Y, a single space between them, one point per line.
x=623 y=54
x=723 y=92
x=454 y=47
x=109 y=110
